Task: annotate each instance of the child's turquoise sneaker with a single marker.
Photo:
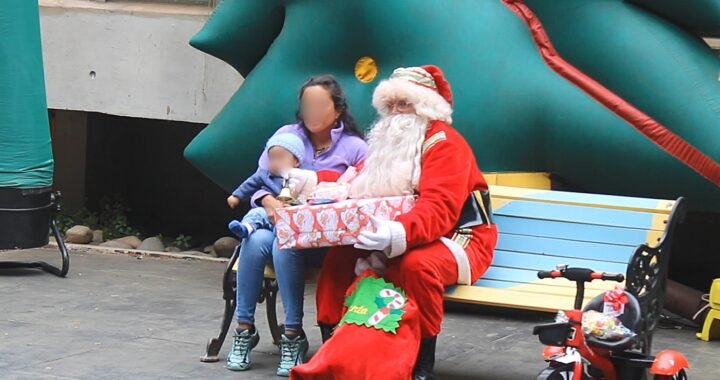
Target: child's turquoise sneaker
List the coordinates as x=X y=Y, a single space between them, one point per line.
x=292 y=353
x=243 y=342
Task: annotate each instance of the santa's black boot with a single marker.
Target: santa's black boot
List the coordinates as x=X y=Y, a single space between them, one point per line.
x=425 y=360
x=326 y=331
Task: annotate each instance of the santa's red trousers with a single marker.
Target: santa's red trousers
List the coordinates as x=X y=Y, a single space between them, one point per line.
x=423 y=272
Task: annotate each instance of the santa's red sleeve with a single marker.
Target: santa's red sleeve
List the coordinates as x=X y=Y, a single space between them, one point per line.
x=447 y=165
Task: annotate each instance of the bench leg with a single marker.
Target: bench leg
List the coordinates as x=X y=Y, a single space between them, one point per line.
x=214 y=344
x=60 y=272
x=269 y=293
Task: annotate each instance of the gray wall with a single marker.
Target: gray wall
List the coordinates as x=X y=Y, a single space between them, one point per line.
x=131 y=59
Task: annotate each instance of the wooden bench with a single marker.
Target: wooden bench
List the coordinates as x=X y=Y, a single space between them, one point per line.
x=540 y=229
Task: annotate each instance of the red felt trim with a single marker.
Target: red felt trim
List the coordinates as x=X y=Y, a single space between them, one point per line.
x=652 y=129
x=327 y=175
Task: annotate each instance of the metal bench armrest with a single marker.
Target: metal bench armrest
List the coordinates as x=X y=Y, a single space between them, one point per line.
x=647 y=276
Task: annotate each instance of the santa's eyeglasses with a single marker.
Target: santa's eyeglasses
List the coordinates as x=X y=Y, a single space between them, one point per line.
x=399 y=105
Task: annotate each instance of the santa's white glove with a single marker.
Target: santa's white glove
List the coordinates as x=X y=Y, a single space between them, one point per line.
x=301 y=180
x=389 y=238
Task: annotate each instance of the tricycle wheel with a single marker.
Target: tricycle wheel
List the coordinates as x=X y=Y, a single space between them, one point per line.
x=678 y=376
x=557 y=372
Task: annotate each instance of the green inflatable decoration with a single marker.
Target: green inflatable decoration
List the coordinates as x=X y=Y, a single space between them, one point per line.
x=25 y=151
x=27 y=205
x=702 y=17
x=515 y=110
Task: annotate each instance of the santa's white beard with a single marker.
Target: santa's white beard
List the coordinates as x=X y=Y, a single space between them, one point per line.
x=392 y=166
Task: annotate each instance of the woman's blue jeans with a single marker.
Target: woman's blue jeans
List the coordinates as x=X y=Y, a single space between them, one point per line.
x=256 y=251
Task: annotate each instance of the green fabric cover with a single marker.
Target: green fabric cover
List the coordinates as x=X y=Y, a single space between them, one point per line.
x=25 y=151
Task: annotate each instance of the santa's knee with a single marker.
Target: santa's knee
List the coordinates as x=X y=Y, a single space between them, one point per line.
x=414 y=263
x=415 y=274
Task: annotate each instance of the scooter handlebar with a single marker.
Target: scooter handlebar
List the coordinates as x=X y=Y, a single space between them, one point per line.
x=549 y=274
x=581 y=274
x=617 y=277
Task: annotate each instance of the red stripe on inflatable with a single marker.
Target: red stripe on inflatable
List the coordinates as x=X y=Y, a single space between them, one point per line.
x=653 y=130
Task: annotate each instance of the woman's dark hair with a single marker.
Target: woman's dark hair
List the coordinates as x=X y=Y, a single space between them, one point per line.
x=329 y=83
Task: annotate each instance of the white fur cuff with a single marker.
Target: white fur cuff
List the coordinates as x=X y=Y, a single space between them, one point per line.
x=398 y=239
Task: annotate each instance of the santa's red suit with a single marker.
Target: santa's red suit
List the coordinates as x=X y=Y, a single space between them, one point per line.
x=426 y=253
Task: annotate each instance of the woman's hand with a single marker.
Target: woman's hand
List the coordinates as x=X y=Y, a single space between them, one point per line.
x=271 y=204
x=233 y=201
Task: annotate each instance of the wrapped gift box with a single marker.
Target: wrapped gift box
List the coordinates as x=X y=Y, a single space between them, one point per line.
x=336 y=223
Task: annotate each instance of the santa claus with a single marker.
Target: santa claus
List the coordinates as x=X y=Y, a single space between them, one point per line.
x=448 y=237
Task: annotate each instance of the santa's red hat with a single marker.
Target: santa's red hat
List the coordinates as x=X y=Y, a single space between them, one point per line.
x=424 y=86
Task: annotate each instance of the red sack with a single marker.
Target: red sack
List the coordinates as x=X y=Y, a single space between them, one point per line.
x=377 y=339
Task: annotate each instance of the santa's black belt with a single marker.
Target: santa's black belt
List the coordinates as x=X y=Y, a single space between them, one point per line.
x=476 y=211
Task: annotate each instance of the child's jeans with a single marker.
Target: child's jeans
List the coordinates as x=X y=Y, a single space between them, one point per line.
x=257 y=217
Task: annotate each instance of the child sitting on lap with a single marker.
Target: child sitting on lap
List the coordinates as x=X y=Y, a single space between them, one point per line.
x=285 y=151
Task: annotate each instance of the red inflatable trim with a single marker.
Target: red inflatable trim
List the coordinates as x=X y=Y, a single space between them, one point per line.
x=653 y=130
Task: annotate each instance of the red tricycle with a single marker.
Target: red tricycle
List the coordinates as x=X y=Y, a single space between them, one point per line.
x=573 y=356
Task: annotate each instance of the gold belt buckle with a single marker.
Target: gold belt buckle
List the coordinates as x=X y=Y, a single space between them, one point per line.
x=462 y=237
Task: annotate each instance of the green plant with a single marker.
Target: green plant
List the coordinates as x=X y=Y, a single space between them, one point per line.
x=64 y=222
x=111 y=217
x=83 y=217
x=182 y=242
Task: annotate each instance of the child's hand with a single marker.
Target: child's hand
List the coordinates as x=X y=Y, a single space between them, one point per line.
x=233 y=201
